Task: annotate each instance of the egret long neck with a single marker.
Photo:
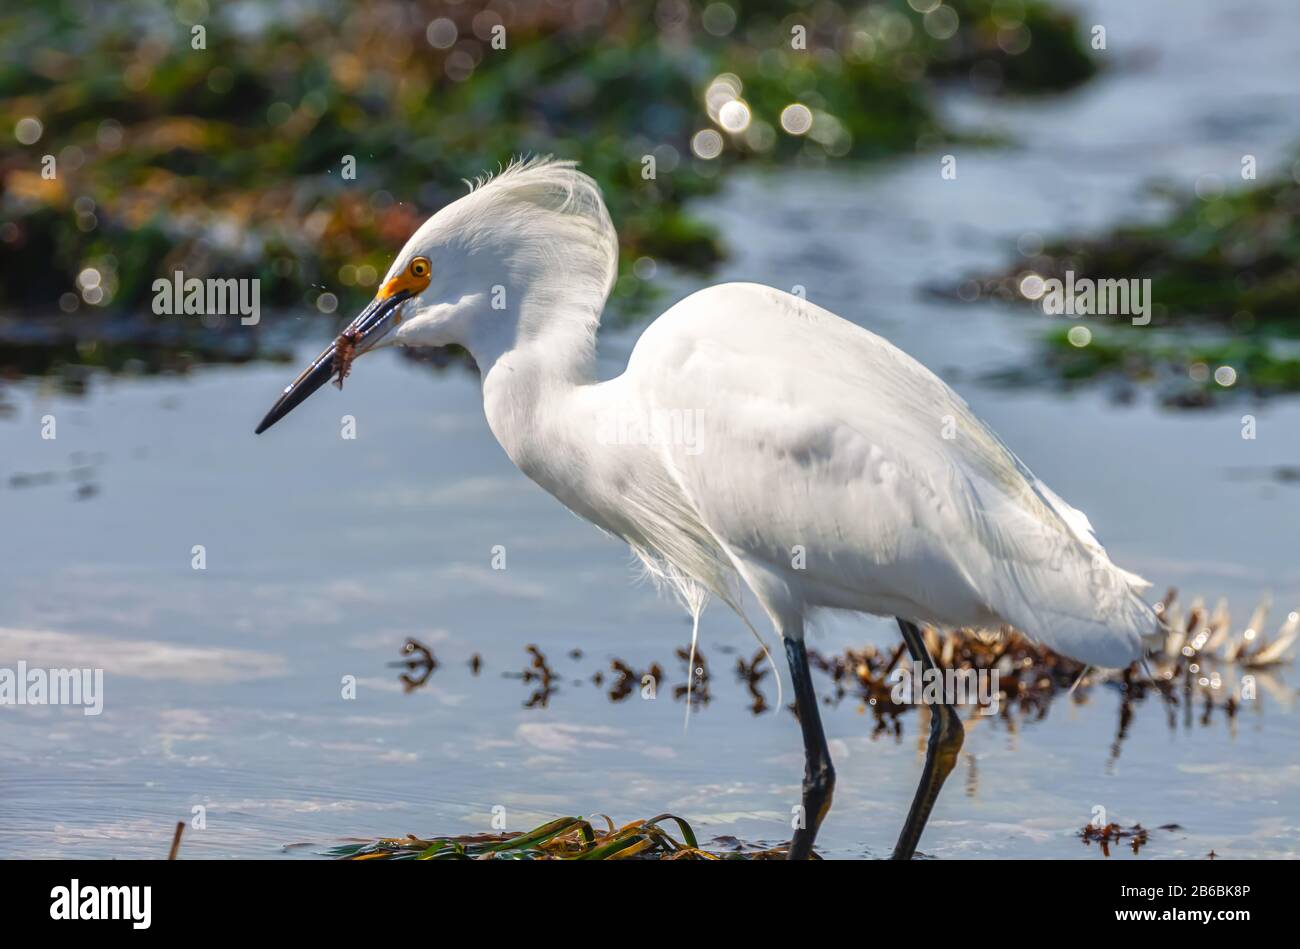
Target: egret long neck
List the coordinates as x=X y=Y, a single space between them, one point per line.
x=532 y=398
x=537 y=352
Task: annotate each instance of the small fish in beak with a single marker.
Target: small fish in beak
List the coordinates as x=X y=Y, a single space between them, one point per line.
x=345 y=350
x=361 y=335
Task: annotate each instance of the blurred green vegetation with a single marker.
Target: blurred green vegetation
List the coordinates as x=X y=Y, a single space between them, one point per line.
x=1184 y=373
x=1224 y=266
x=226 y=160
x=1230 y=257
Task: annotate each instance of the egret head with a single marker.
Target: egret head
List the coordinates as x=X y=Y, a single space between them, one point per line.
x=527 y=253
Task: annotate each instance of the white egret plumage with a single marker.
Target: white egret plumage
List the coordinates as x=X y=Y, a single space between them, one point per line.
x=774 y=448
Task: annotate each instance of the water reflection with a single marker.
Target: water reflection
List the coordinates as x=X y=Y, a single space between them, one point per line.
x=538 y=674
x=1200 y=662
x=421 y=661
x=752 y=674
x=1104 y=835
x=628 y=680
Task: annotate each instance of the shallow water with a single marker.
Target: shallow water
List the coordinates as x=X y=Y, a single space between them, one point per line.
x=223 y=686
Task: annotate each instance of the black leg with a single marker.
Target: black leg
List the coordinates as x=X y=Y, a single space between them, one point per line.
x=819 y=773
x=946 y=734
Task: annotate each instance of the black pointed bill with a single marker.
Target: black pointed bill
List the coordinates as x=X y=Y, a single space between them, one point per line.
x=361 y=335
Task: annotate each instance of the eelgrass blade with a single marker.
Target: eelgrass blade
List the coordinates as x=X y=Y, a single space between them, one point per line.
x=687 y=833
x=607 y=850
x=565 y=838
x=540 y=835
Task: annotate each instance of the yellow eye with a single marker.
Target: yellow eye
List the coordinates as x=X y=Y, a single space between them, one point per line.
x=419 y=267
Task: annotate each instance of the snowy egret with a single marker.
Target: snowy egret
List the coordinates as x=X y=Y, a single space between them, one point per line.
x=756 y=442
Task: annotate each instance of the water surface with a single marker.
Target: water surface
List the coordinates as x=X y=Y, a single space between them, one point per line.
x=224 y=686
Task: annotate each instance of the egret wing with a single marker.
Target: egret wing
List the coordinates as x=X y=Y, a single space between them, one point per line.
x=857 y=479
